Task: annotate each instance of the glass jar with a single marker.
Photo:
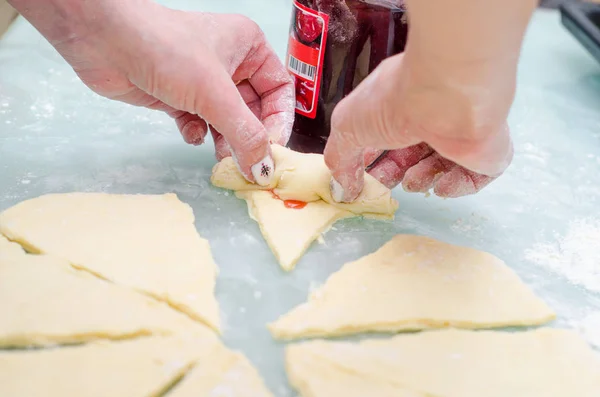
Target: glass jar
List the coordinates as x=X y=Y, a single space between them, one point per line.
x=333 y=46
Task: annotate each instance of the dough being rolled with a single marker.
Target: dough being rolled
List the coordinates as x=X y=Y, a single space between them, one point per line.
x=147 y=242
x=414 y=283
x=305 y=177
x=448 y=363
x=289 y=232
x=45 y=301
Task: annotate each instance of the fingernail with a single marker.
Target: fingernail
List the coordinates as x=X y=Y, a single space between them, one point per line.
x=193 y=134
x=337 y=191
x=263 y=171
x=197 y=141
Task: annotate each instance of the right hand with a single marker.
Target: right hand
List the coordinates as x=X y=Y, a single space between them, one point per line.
x=447 y=135
x=440 y=108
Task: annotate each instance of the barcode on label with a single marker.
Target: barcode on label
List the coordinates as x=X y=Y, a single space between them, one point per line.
x=302 y=69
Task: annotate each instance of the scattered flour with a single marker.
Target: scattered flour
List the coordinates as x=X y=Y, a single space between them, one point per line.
x=472 y=225
x=590 y=329
x=575 y=256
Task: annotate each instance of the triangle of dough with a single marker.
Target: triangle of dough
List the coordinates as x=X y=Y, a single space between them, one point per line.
x=312 y=376
x=147 y=242
x=144 y=367
x=290 y=232
x=227 y=373
x=448 y=363
x=9 y=249
x=414 y=283
x=45 y=301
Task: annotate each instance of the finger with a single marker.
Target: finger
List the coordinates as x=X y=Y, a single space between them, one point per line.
x=490 y=156
x=252 y=100
x=192 y=128
x=347 y=165
x=391 y=169
x=274 y=85
x=371 y=115
x=222 y=149
x=244 y=133
x=363 y=119
x=460 y=182
x=371 y=155
x=250 y=97
x=422 y=176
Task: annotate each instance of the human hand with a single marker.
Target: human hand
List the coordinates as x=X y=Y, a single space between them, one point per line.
x=440 y=109
x=437 y=136
x=202 y=69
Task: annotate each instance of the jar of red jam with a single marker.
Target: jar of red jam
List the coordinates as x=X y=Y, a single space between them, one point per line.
x=333 y=46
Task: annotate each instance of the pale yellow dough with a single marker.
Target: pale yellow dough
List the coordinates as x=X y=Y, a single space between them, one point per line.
x=144 y=367
x=9 y=249
x=305 y=177
x=289 y=232
x=45 y=301
x=140 y=368
x=223 y=374
x=448 y=363
x=414 y=283
x=145 y=242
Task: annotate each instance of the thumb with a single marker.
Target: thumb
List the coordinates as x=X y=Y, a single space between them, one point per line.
x=219 y=102
x=367 y=118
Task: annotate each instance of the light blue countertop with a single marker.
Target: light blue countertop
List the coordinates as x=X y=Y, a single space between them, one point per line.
x=542 y=217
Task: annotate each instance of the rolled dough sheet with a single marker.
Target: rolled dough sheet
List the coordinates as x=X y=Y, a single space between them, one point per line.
x=414 y=283
x=45 y=301
x=140 y=368
x=315 y=377
x=147 y=242
x=305 y=177
x=8 y=248
x=225 y=374
x=144 y=367
x=448 y=363
x=290 y=232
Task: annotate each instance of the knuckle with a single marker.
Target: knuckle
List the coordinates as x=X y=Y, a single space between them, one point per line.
x=250 y=30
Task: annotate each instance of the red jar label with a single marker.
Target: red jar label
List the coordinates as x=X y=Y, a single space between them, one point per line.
x=306 y=50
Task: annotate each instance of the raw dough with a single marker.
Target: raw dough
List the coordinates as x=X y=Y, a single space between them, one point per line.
x=289 y=232
x=223 y=374
x=305 y=177
x=314 y=377
x=45 y=301
x=140 y=368
x=9 y=249
x=144 y=367
x=148 y=242
x=414 y=283
x=448 y=363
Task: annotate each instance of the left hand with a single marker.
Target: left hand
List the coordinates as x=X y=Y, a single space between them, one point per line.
x=201 y=69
